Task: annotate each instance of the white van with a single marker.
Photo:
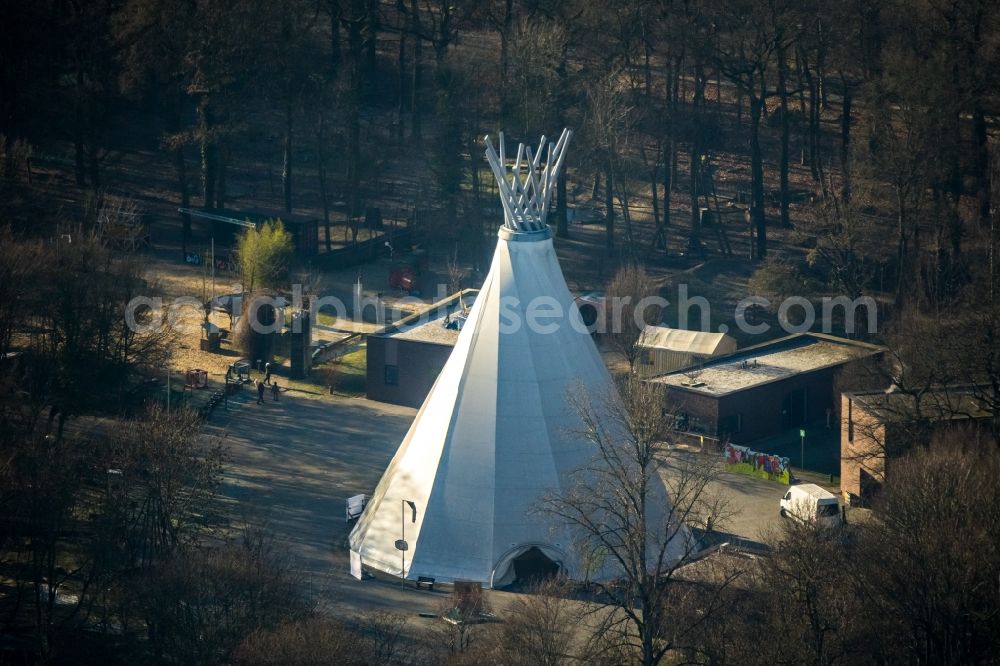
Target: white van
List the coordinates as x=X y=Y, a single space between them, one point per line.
x=811 y=504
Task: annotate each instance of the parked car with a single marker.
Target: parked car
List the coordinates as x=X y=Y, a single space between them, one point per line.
x=811 y=504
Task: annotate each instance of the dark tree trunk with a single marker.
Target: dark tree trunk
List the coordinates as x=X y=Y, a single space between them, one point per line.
x=562 y=219
x=370 y=45
x=984 y=194
x=94 y=163
x=757 y=215
x=783 y=161
x=739 y=108
x=173 y=124
x=669 y=157
x=646 y=66
x=994 y=259
x=654 y=187
x=356 y=51
x=813 y=123
x=286 y=170
x=694 y=239
x=181 y=168
x=209 y=154
x=670 y=152
x=674 y=107
x=505 y=33
x=799 y=67
x=401 y=85
x=335 y=56
x=220 y=178
x=79 y=164
x=415 y=127
x=821 y=66
x=845 y=140
x=321 y=168
x=609 y=203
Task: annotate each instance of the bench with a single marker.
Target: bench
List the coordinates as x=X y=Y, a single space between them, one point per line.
x=425 y=580
x=356 y=506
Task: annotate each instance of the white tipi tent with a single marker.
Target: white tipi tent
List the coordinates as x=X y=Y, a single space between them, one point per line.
x=494 y=434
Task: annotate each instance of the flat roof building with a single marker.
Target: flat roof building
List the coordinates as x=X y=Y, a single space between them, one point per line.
x=762 y=391
x=405 y=358
x=879 y=426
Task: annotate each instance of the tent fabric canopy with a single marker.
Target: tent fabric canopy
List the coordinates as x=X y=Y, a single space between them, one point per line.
x=496 y=434
x=688 y=342
x=493 y=436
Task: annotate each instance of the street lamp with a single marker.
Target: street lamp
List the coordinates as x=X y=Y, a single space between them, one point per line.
x=802 y=446
x=401 y=544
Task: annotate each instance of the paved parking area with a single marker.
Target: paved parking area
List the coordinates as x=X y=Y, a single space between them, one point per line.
x=293 y=464
x=754 y=503
x=751 y=502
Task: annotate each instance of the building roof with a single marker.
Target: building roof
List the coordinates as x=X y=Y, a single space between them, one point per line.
x=437 y=324
x=768 y=362
x=687 y=342
x=938 y=403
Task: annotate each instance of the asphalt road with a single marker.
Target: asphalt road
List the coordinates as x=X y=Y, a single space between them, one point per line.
x=293 y=463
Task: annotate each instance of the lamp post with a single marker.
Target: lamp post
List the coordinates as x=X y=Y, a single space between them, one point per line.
x=401 y=545
x=802 y=446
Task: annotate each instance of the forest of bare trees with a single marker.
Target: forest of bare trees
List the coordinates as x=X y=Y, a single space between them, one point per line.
x=865 y=126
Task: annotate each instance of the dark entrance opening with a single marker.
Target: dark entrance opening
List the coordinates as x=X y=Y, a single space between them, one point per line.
x=793 y=409
x=532 y=566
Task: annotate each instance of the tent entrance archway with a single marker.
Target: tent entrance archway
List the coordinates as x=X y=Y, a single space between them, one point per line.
x=533 y=566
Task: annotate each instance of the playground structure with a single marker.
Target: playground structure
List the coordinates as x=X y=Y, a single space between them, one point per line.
x=120 y=225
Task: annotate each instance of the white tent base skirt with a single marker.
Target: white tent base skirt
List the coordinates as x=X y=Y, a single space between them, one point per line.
x=526 y=564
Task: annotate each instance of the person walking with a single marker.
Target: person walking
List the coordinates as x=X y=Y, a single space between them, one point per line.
x=267 y=373
x=274 y=391
x=260 y=392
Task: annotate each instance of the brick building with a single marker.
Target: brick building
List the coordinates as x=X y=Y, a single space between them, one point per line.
x=878 y=426
x=764 y=390
x=405 y=358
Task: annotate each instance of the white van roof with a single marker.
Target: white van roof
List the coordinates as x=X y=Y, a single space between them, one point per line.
x=814 y=491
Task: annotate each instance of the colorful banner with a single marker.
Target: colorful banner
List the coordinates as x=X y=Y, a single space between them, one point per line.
x=743 y=460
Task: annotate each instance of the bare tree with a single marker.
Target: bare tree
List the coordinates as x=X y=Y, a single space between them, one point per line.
x=161 y=478
x=461 y=612
x=745 y=57
x=929 y=592
x=539 y=627
x=311 y=642
x=607 y=123
x=630 y=314
x=632 y=511
x=456 y=274
x=200 y=606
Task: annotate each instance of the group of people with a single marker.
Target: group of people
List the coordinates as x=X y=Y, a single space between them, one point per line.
x=267 y=380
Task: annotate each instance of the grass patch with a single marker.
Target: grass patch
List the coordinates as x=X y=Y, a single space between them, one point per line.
x=326 y=319
x=347 y=373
